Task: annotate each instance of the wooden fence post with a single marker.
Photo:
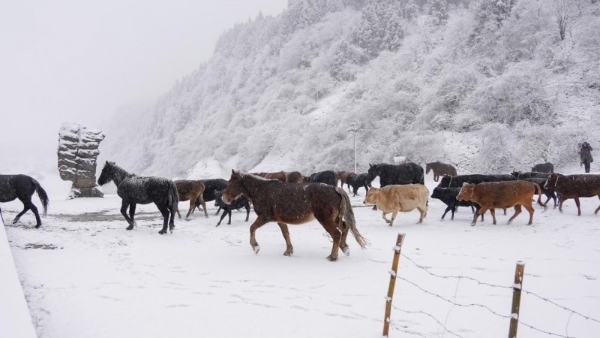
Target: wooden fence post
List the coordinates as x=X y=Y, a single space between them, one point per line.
x=390 y=294
x=516 y=302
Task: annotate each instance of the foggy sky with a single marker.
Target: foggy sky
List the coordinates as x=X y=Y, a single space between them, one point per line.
x=81 y=60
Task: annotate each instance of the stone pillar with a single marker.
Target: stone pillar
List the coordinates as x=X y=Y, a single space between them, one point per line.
x=77 y=155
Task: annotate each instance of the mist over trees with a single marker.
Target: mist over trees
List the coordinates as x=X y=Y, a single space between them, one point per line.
x=488 y=85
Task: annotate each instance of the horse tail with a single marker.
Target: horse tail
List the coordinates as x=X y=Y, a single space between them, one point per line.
x=347 y=220
x=42 y=195
x=538 y=190
x=173 y=197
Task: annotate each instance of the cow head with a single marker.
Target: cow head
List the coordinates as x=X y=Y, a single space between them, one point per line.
x=372 y=196
x=466 y=192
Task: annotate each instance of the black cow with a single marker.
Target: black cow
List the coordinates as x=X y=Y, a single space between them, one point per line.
x=458 y=181
x=448 y=196
x=547 y=168
x=389 y=174
x=236 y=204
x=525 y=175
x=211 y=186
x=358 y=181
x=327 y=177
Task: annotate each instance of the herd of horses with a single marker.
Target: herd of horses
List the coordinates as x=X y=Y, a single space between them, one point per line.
x=292 y=198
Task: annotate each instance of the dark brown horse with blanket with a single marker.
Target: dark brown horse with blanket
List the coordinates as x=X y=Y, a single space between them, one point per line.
x=574 y=186
x=440 y=169
x=275 y=201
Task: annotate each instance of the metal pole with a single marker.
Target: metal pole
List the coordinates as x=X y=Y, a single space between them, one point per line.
x=354 y=130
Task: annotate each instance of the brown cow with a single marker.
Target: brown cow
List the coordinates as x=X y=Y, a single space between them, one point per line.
x=574 y=186
x=394 y=198
x=506 y=194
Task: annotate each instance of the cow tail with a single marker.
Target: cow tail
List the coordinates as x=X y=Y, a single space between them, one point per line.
x=42 y=195
x=347 y=220
x=539 y=192
x=173 y=197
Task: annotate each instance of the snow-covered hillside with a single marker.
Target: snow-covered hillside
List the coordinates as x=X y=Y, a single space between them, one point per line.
x=487 y=85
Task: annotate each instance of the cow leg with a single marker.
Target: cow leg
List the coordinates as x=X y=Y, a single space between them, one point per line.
x=228 y=211
x=517 y=211
x=286 y=235
x=531 y=210
x=578 y=205
x=172 y=219
x=177 y=211
x=423 y=214
x=448 y=208
x=598 y=208
x=191 y=208
x=132 y=213
x=481 y=211
x=247 y=206
x=394 y=214
x=385 y=218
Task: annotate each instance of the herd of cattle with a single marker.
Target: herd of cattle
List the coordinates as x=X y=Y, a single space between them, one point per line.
x=402 y=189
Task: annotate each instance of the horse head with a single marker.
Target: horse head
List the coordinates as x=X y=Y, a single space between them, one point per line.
x=427 y=168
x=374 y=171
x=234 y=187
x=107 y=174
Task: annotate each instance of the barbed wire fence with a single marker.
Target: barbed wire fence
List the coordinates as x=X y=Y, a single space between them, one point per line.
x=502 y=292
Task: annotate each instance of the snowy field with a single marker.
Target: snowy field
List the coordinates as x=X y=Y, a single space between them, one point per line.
x=84 y=275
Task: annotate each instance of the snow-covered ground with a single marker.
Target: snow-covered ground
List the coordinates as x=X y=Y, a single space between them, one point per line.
x=84 y=275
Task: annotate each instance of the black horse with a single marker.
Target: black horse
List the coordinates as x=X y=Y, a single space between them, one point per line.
x=211 y=186
x=238 y=203
x=137 y=189
x=327 y=177
x=358 y=181
x=408 y=173
x=22 y=187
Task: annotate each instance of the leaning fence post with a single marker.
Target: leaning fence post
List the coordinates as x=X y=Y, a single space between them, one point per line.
x=390 y=294
x=516 y=302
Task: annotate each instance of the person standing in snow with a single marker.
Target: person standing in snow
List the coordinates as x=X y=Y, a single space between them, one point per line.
x=586 y=156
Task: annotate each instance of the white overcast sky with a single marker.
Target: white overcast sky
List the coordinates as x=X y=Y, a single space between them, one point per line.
x=80 y=60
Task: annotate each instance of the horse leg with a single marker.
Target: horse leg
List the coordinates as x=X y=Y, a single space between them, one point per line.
x=229 y=213
x=35 y=212
x=25 y=208
x=576 y=198
x=493 y=212
x=222 y=216
x=260 y=221
x=518 y=211
x=192 y=206
x=286 y=235
x=343 y=244
x=595 y=212
x=132 y=214
x=2 y=217
x=164 y=210
x=335 y=233
x=203 y=205
x=124 y=206
x=247 y=212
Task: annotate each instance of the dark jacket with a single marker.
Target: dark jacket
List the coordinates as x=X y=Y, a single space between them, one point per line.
x=585 y=153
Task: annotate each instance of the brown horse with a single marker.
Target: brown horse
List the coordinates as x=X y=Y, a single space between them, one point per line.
x=278 y=175
x=294 y=177
x=440 y=169
x=342 y=176
x=191 y=190
x=296 y=204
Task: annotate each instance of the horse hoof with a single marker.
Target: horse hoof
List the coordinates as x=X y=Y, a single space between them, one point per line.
x=346 y=251
x=331 y=259
x=38 y=225
x=289 y=254
x=256 y=249
x=162 y=232
x=129 y=227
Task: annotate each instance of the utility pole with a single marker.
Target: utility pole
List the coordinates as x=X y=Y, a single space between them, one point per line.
x=353 y=130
